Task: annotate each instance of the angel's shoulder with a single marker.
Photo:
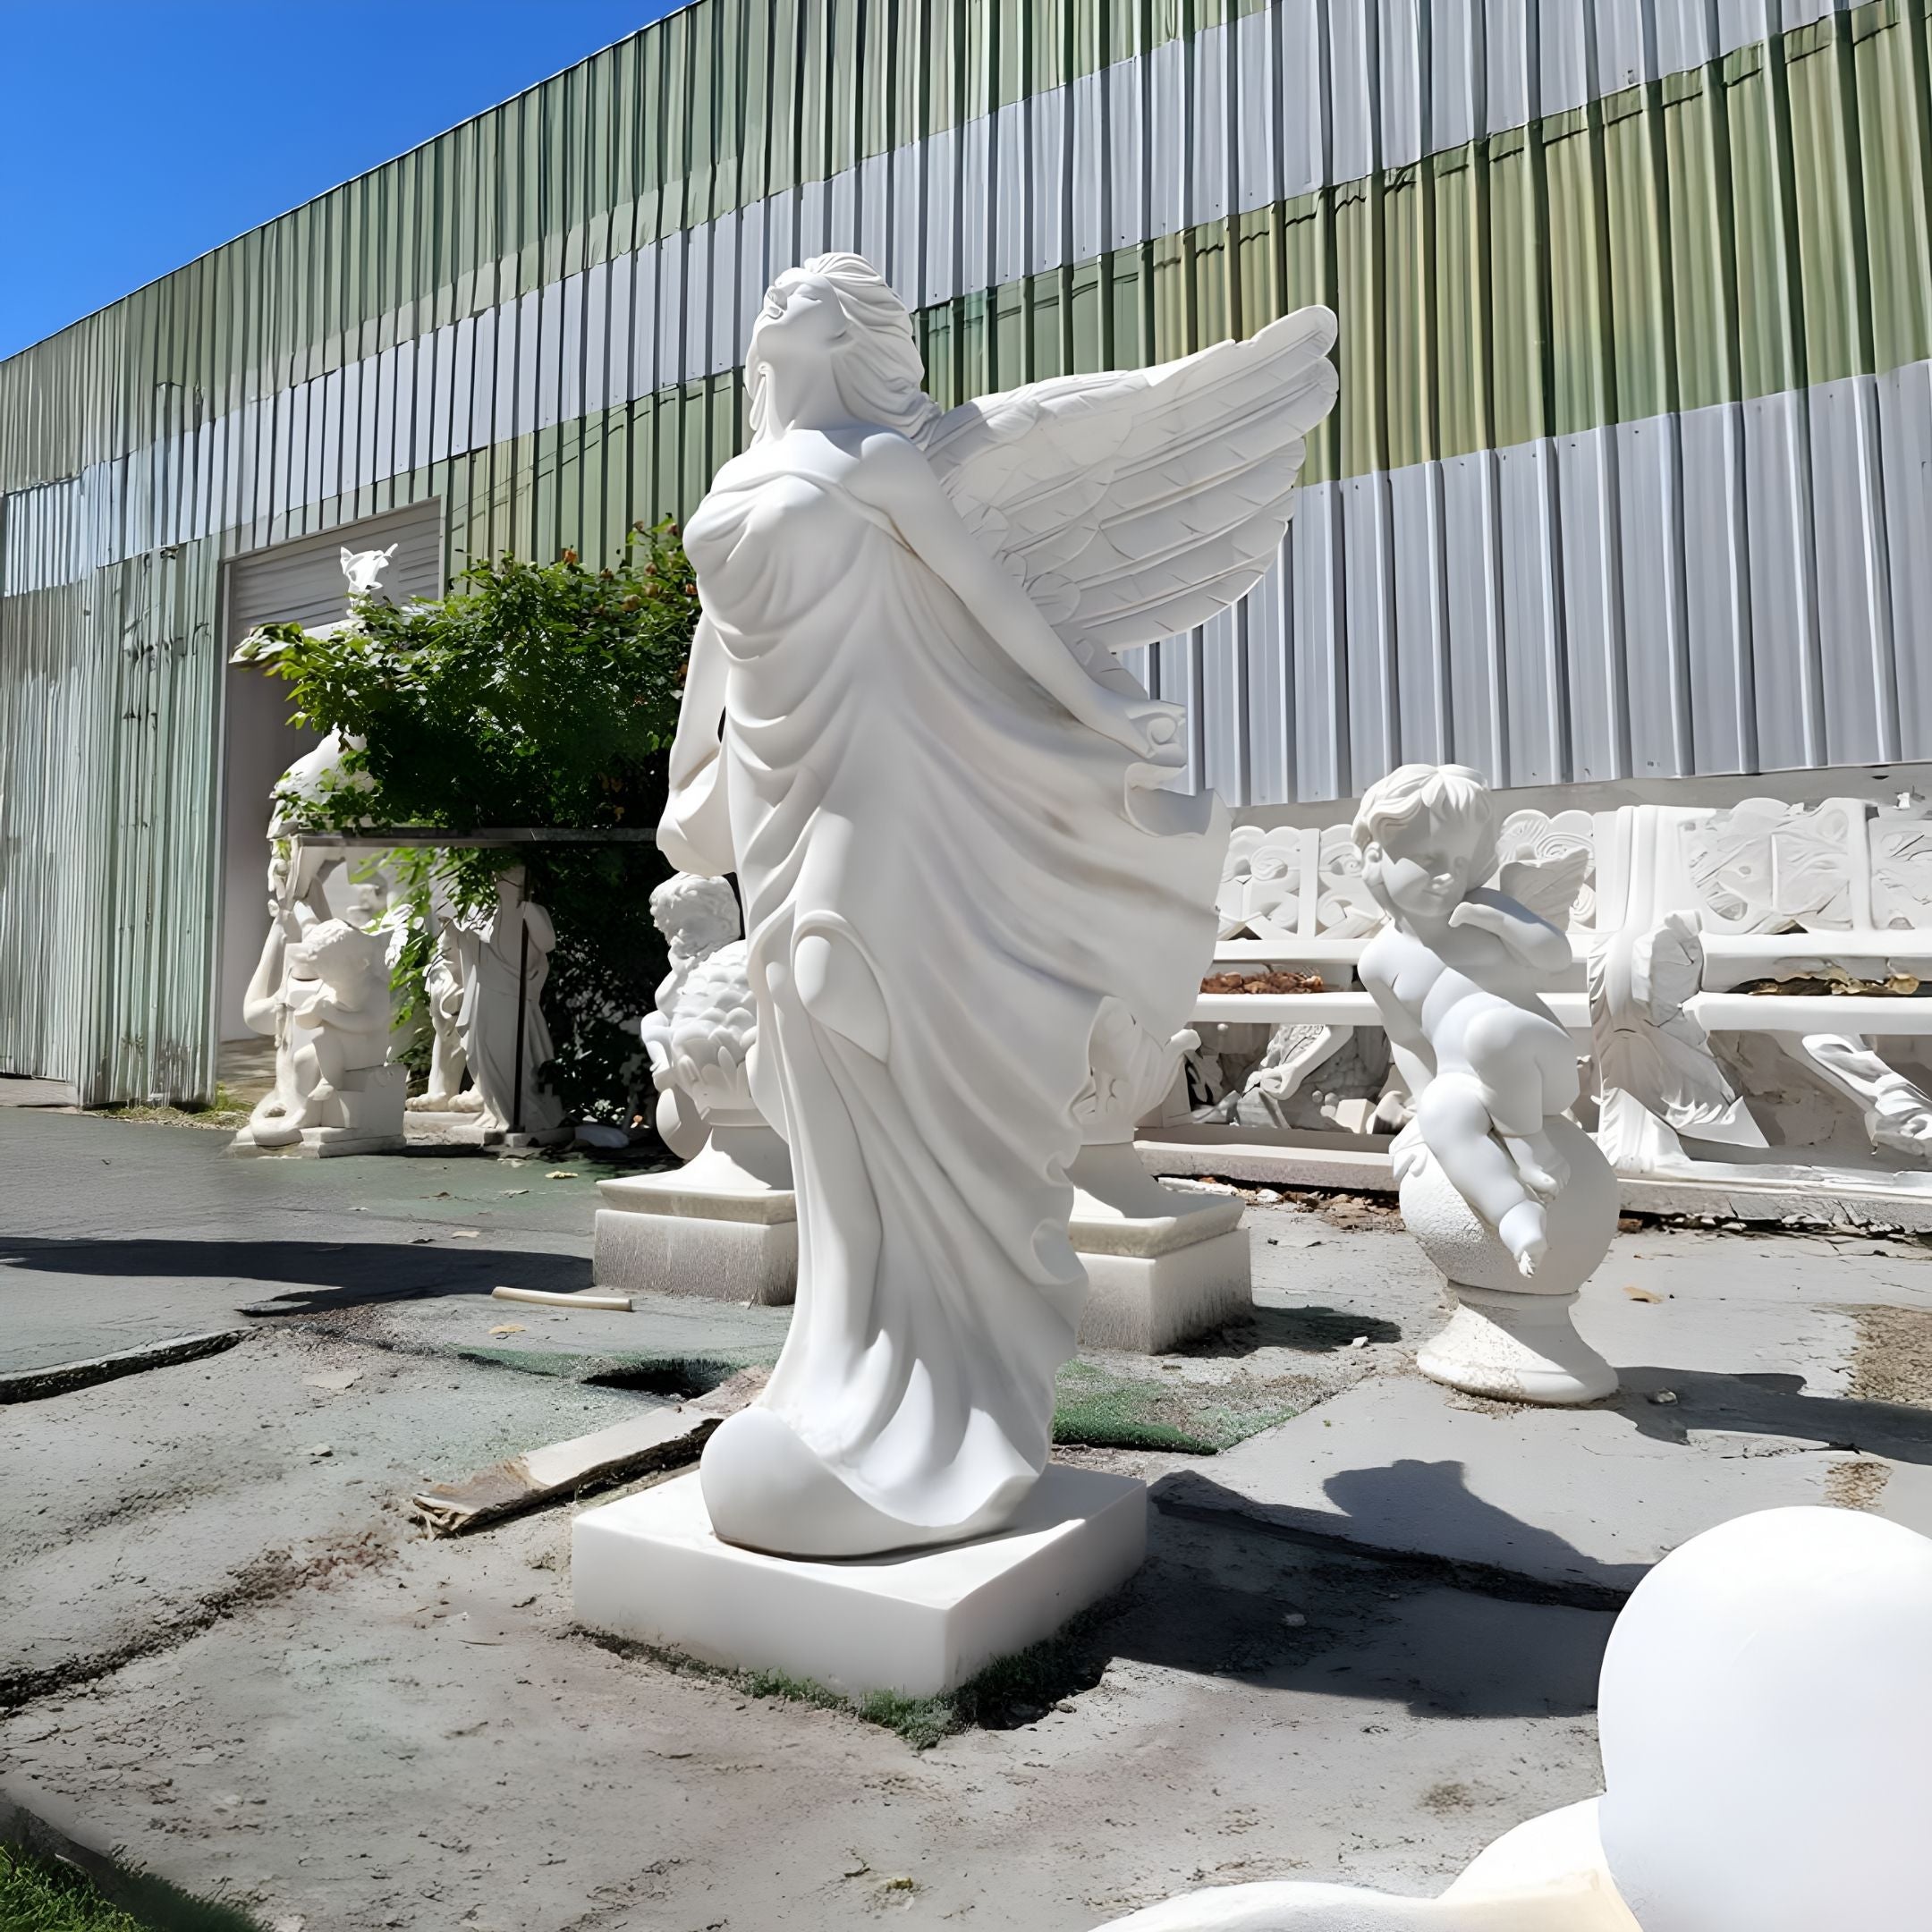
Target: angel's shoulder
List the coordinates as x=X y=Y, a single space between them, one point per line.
x=886 y=464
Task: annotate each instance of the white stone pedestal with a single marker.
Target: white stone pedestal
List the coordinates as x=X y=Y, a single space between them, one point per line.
x=725 y=1224
x=363 y=1115
x=1510 y=1337
x=649 y=1568
x=1162 y=1266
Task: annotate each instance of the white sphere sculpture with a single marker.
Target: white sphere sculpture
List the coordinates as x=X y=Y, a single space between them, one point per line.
x=1766 y=1716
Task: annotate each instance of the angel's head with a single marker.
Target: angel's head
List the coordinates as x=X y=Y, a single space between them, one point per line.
x=1427 y=833
x=838 y=310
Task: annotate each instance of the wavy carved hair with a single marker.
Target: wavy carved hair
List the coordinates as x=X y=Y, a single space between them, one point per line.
x=1453 y=791
x=879 y=370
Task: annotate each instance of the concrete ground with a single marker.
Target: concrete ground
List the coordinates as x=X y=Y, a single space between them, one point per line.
x=1365 y=1643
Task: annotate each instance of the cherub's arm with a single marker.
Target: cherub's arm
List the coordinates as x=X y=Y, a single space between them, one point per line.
x=1530 y=938
x=896 y=479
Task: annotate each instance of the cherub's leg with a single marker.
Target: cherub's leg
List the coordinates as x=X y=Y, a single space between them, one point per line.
x=1455 y=1124
x=1528 y=1070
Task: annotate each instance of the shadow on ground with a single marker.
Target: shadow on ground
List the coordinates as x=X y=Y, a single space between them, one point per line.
x=1309 y=1330
x=308 y=1278
x=1769 y=1405
x=1394 y=1509
x=1225 y=1595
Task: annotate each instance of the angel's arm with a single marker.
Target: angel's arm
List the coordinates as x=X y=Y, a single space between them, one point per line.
x=695 y=832
x=1529 y=937
x=895 y=479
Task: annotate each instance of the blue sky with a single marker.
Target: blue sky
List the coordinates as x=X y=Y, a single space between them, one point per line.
x=137 y=134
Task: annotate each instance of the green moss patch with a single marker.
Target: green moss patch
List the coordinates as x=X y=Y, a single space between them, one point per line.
x=1099 y=1408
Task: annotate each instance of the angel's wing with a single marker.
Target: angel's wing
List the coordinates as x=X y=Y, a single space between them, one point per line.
x=1138 y=504
x=1648 y=1042
x=1547 y=887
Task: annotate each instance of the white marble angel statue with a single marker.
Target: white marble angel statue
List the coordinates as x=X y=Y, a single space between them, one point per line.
x=947 y=809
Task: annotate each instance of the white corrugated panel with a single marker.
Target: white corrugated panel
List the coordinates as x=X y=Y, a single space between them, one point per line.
x=301 y=582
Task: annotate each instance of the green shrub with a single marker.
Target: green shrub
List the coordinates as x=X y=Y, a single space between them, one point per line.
x=533 y=695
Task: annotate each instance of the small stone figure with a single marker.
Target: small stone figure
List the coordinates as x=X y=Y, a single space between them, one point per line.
x=442 y=995
x=501 y=976
x=1456 y=972
x=339 y=1090
x=1503 y=1189
x=697 y=916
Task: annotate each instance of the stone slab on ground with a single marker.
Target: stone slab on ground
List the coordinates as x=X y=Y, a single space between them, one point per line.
x=651 y=1568
x=414 y=1736
x=1757 y=1373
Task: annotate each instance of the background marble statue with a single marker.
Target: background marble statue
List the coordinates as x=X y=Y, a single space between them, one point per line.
x=1506 y=1194
x=499 y=976
x=944 y=801
x=697 y=916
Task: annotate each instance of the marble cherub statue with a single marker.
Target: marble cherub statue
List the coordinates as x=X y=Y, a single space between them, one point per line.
x=1456 y=973
x=1749 y=1657
x=335 y=1019
x=698 y=917
x=950 y=812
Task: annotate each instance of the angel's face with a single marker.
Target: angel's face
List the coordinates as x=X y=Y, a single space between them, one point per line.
x=802 y=319
x=1421 y=871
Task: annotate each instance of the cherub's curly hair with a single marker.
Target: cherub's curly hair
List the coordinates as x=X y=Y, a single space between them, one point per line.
x=885 y=381
x=1411 y=789
x=691 y=899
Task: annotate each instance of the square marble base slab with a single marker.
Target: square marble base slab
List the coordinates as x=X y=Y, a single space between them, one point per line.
x=1146 y=1304
x=751 y=1261
x=649 y=1568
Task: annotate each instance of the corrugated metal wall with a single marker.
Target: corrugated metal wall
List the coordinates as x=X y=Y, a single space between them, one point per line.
x=1629 y=475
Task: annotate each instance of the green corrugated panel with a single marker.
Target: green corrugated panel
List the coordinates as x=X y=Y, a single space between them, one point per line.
x=707 y=76
x=1516 y=278
x=1703 y=269
x=1307 y=251
x=1831 y=267
x=1635 y=229
x=1894 y=135
x=1457 y=302
x=1767 y=355
x=1408 y=340
x=1359 y=304
x=1579 y=394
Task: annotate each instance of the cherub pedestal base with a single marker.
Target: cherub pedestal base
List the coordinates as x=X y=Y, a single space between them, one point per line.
x=1162 y=1267
x=725 y=1224
x=1511 y=1338
x=921 y=1621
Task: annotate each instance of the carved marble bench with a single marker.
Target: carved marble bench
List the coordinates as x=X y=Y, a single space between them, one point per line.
x=1674 y=914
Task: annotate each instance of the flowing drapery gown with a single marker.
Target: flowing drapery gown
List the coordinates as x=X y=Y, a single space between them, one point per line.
x=886 y=773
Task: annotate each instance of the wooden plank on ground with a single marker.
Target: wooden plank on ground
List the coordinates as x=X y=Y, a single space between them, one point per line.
x=642 y=1445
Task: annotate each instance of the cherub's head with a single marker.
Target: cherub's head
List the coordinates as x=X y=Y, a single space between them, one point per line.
x=839 y=308
x=697 y=915
x=340 y=956
x=1427 y=833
